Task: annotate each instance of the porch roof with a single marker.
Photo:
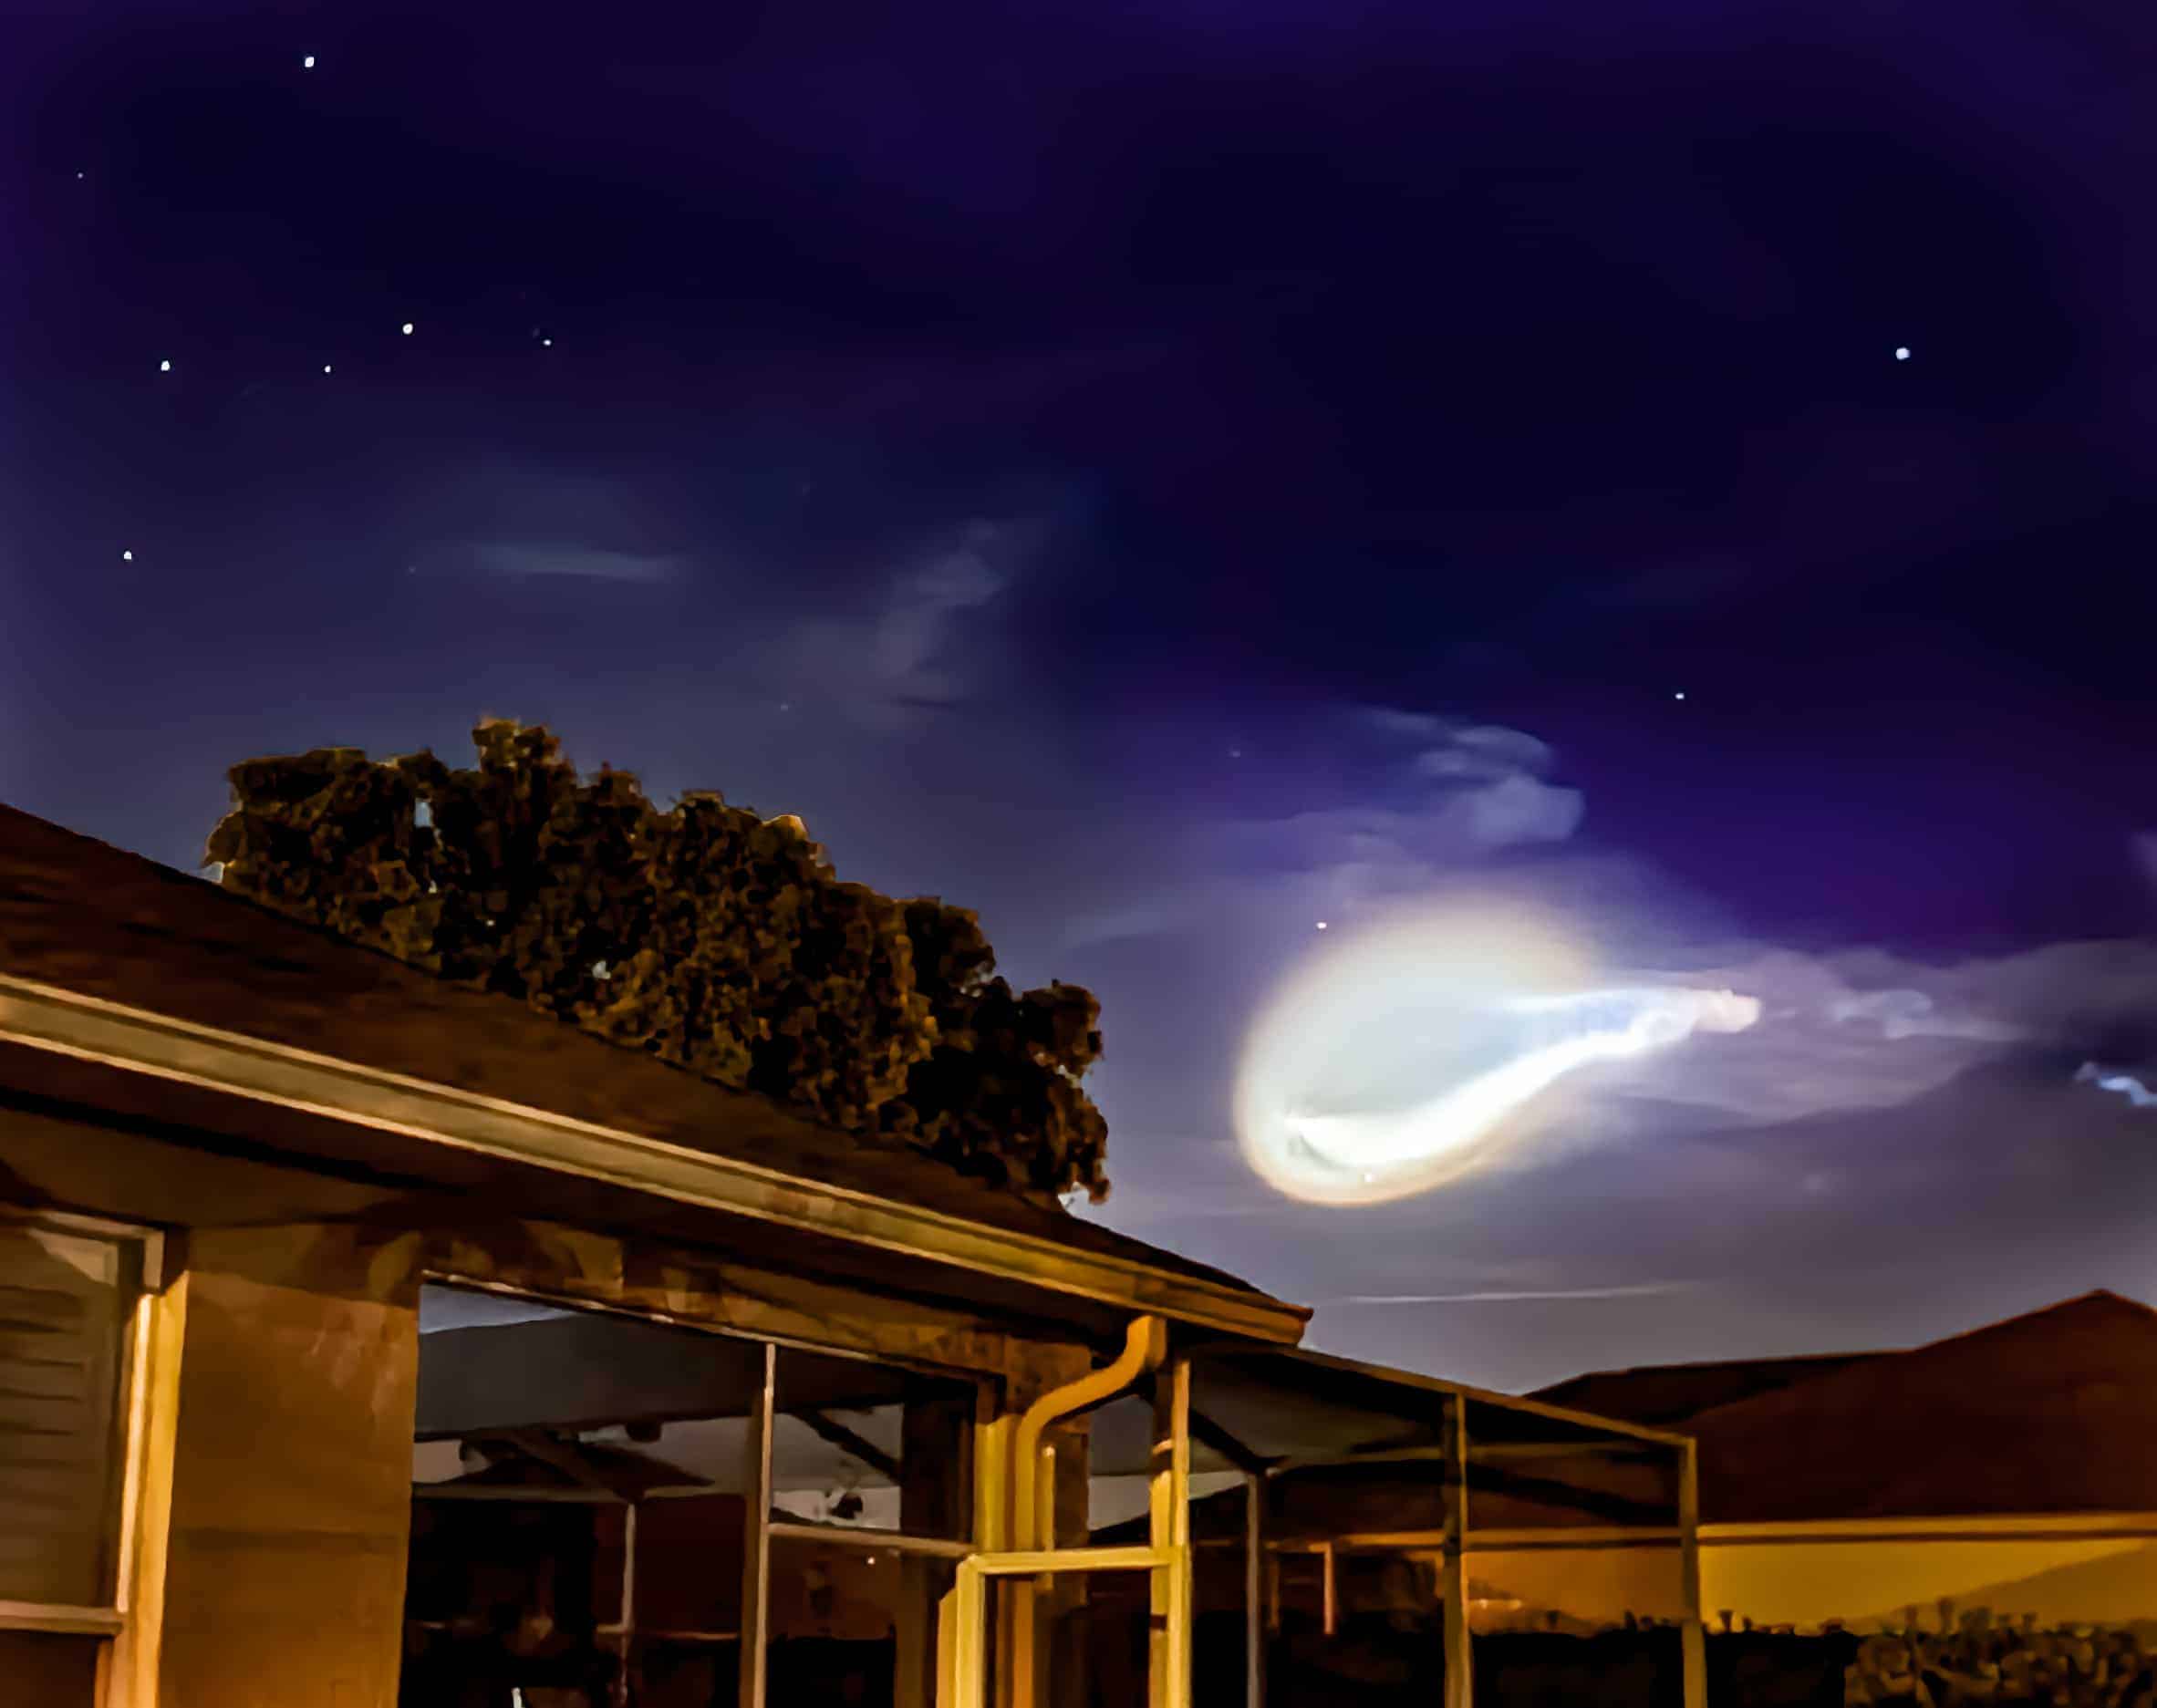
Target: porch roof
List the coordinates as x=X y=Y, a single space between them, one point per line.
x=114 y=968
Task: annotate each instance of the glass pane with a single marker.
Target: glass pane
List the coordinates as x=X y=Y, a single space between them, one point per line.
x=853 y=1624
x=687 y=1646
x=539 y=1432
x=65 y=1301
x=1096 y=1632
x=51 y=1671
x=867 y=1446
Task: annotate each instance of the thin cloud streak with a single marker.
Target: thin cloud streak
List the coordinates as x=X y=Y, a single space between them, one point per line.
x=1650 y=1289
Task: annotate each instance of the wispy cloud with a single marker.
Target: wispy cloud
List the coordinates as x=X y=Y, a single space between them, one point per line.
x=573 y=562
x=905 y=651
x=1645 y=1290
x=2127 y=1085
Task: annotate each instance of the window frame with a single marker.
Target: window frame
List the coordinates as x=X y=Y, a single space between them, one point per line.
x=107 y=1618
x=760 y=1529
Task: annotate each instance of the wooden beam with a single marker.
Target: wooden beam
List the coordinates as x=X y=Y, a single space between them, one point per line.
x=1208 y=1434
x=756 y=1552
x=1619 y=1510
x=1254 y=1587
x=1693 y=1637
x=536 y=1444
x=1515 y=1451
x=848 y=1442
x=1168 y=1509
x=1460 y=1678
x=360 y=1096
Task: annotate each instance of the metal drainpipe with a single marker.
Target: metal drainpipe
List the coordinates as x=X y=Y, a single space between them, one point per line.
x=1146 y=1349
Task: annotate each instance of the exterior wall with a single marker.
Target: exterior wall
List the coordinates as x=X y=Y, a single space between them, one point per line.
x=271 y=1538
x=2096 y=1569
x=1589 y=1582
x=291 y=1471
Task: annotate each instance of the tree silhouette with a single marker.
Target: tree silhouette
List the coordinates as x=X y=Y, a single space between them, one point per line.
x=703 y=934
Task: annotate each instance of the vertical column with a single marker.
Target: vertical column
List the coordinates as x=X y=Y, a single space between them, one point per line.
x=624 y=1678
x=153 y=1432
x=1067 y=1524
x=936 y=1434
x=1168 y=1655
x=756 y=1534
x=1254 y=1589
x=291 y=1485
x=1695 y=1635
x=1460 y=1680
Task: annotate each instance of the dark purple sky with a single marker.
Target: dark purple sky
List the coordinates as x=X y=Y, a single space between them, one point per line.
x=1095 y=461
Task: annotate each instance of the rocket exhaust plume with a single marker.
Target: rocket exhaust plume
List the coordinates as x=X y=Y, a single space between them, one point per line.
x=1407 y=1057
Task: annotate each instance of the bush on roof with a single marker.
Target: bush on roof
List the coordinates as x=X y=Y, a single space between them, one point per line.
x=703 y=934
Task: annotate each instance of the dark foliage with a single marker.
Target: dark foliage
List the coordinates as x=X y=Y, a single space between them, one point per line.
x=703 y=934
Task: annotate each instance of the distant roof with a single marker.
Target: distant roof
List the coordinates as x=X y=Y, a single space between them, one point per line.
x=94 y=921
x=2053 y=1412
x=1665 y=1395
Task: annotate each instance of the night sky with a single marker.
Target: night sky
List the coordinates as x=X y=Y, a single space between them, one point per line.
x=1113 y=466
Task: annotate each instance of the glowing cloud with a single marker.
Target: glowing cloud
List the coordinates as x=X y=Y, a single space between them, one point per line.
x=1395 y=1061
x=2111 y=1079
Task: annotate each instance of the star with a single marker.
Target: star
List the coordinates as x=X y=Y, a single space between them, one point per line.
x=1679 y=695
x=164 y=367
x=406 y=328
x=1321 y=925
x=307 y=63
x=326 y=367
x=546 y=344
x=1902 y=352
x=127 y=557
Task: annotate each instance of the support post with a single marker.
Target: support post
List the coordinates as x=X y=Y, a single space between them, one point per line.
x=933 y=1470
x=1169 y=1648
x=1694 y=1633
x=625 y=1681
x=1461 y=1679
x=1254 y=1589
x=756 y=1534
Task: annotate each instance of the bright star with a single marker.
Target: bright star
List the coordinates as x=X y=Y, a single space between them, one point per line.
x=546 y=344
x=406 y=328
x=1679 y=695
x=127 y=557
x=1321 y=925
x=164 y=367
x=1902 y=352
x=326 y=367
x=307 y=63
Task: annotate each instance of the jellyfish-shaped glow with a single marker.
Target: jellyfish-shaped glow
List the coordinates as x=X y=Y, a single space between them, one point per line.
x=1401 y=1060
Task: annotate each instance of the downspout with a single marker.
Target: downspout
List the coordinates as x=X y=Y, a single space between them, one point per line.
x=1146 y=1349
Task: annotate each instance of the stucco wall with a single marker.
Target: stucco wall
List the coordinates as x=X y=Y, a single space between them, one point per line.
x=2096 y=1572
x=291 y=1474
x=2101 y=1570
x=1591 y=1585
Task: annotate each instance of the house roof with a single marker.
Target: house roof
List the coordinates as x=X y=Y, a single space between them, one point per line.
x=2048 y=1412
x=94 y=941
x=1665 y=1395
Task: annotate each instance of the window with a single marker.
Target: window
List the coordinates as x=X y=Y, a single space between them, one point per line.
x=603 y=1504
x=68 y=1295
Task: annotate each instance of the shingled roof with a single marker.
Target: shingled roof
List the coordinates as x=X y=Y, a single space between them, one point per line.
x=1665 y=1395
x=2049 y=1413
x=92 y=920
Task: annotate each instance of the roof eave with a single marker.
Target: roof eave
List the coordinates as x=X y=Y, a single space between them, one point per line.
x=137 y=1040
